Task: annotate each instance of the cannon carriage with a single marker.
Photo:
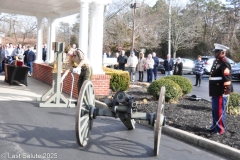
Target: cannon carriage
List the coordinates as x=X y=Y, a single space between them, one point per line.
x=122 y=106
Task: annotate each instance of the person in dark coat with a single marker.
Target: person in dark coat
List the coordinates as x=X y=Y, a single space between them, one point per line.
x=122 y=60
x=44 y=52
x=29 y=58
x=220 y=86
x=178 y=67
x=155 y=66
x=168 y=65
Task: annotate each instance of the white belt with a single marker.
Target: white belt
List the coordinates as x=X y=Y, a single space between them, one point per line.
x=215 y=78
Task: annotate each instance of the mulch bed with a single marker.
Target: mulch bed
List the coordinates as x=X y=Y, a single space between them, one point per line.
x=188 y=115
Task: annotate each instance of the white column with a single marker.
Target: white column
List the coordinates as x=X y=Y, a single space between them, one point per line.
x=96 y=38
x=1 y=35
x=39 y=40
x=83 y=28
x=51 y=38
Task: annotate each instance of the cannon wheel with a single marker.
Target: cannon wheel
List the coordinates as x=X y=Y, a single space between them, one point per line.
x=83 y=119
x=157 y=124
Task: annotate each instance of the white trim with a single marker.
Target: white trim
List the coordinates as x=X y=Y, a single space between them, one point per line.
x=215 y=78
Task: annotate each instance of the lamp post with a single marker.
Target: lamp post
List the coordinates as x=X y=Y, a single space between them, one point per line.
x=133 y=7
x=169 y=29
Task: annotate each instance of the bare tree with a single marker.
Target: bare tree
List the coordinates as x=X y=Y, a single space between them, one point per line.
x=184 y=33
x=64 y=32
x=27 y=27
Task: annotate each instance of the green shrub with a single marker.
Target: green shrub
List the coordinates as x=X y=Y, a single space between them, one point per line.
x=173 y=91
x=184 y=83
x=234 y=104
x=120 y=80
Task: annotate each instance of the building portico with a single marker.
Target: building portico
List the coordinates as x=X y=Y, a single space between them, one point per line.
x=90 y=31
x=90 y=34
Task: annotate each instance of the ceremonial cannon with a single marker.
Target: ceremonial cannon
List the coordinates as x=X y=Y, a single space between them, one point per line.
x=122 y=106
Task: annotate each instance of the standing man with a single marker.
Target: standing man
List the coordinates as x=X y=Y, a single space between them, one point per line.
x=132 y=64
x=10 y=50
x=44 y=53
x=168 y=65
x=199 y=68
x=1 y=49
x=122 y=60
x=155 y=66
x=2 y=55
x=29 y=58
x=220 y=86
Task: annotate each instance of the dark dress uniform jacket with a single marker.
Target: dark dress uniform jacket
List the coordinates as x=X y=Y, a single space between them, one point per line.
x=216 y=87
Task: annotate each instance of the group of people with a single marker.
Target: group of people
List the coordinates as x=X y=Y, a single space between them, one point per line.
x=139 y=64
x=149 y=64
x=9 y=53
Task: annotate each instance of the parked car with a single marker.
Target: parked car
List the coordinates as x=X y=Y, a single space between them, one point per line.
x=209 y=62
x=160 y=66
x=236 y=72
x=188 y=65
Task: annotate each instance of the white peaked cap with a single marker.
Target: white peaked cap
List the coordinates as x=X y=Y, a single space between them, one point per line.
x=220 y=47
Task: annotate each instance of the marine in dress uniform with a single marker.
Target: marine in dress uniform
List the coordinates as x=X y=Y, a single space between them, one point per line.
x=220 y=87
x=77 y=62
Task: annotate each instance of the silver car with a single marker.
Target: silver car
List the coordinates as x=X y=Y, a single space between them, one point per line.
x=188 y=65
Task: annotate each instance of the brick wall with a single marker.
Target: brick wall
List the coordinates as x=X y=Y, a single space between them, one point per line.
x=43 y=73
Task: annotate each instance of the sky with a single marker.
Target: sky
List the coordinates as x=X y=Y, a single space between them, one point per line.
x=71 y=19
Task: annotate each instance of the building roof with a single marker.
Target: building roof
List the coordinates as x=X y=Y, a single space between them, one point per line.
x=44 y=8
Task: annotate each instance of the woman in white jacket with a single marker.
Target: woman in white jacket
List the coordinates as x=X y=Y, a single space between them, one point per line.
x=140 y=66
x=149 y=66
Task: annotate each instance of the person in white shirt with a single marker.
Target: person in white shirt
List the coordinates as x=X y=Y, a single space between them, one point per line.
x=132 y=64
x=10 y=50
x=149 y=66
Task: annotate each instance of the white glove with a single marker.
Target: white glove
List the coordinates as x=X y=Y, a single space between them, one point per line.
x=76 y=70
x=225 y=95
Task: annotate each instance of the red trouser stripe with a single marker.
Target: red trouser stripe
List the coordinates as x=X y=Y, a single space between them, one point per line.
x=220 y=113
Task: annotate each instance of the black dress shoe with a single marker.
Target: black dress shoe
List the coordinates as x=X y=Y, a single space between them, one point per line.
x=210 y=129
x=195 y=85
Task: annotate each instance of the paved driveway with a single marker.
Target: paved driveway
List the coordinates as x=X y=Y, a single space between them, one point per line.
x=27 y=131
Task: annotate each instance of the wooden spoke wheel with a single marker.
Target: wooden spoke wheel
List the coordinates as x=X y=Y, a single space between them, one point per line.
x=84 y=114
x=159 y=121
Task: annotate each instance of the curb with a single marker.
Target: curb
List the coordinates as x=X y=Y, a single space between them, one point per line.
x=198 y=141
